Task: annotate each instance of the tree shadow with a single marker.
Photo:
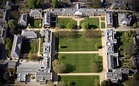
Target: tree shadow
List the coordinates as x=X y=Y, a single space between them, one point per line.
x=59 y=78
x=69 y=68
x=93 y=26
x=99 y=47
x=64 y=46
x=56 y=44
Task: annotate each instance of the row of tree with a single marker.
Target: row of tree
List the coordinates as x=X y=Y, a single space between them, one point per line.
x=74 y=34
x=93 y=3
x=67 y=34
x=8 y=46
x=34 y=4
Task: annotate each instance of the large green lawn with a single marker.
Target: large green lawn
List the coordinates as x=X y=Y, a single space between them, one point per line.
x=79 y=44
x=93 y=22
x=64 y=21
x=81 y=80
x=81 y=62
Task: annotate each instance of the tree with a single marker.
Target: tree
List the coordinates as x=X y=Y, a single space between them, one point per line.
x=58 y=67
x=96 y=3
x=31 y=4
x=71 y=25
x=130 y=49
x=106 y=83
x=38 y=4
x=8 y=43
x=61 y=83
x=15 y=14
x=30 y=56
x=92 y=34
x=96 y=46
x=85 y=25
x=12 y=23
x=55 y=3
x=135 y=25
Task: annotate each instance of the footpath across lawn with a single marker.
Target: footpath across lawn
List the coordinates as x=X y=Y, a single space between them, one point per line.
x=80 y=80
x=81 y=63
x=79 y=44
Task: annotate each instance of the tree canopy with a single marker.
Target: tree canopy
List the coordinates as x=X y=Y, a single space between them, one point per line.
x=12 y=23
x=8 y=43
x=34 y=4
x=130 y=49
x=15 y=14
x=85 y=25
x=55 y=3
x=71 y=25
x=58 y=67
x=106 y=83
x=92 y=34
x=96 y=3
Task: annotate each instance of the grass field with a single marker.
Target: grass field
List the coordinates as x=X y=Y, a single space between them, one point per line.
x=64 y=21
x=81 y=80
x=102 y=25
x=81 y=62
x=79 y=44
x=34 y=46
x=93 y=22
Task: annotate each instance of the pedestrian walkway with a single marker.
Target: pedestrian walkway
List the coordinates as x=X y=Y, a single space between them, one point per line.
x=39 y=47
x=79 y=52
x=78 y=74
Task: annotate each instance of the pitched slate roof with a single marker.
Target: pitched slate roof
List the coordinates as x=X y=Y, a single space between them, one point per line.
x=46 y=19
x=35 y=12
x=2 y=34
x=114 y=76
x=78 y=13
x=8 y=4
x=29 y=34
x=43 y=76
x=23 y=20
x=16 y=48
x=28 y=68
x=12 y=64
x=109 y=19
x=71 y=12
x=6 y=15
x=123 y=18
